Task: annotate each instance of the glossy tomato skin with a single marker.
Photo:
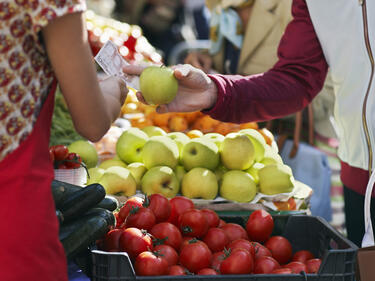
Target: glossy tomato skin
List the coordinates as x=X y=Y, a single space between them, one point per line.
x=221 y=223
x=176 y=270
x=243 y=244
x=216 y=239
x=60 y=152
x=193 y=223
x=302 y=256
x=129 y=204
x=73 y=161
x=313 y=265
x=195 y=256
x=134 y=241
x=179 y=204
x=140 y=217
x=148 y=264
x=111 y=241
x=234 y=231
x=167 y=233
x=259 y=226
x=281 y=271
x=280 y=248
x=212 y=217
x=217 y=259
x=265 y=265
x=168 y=253
x=296 y=267
x=239 y=261
x=261 y=251
x=160 y=206
x=207 y=271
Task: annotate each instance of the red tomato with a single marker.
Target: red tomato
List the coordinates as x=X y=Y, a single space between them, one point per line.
x=60 y=152
x=243 y=244
x=313 y=265
x=167 y=252
x=221 y=223
x=187 y=240
x=148 y=264
x=207 y=271
x=195 y=256
x=129 y=204
x=73 y=161
x=302 y=256
x=282 y=271
x=111 y=241
x=280 y=248
x=296 y=267
x=179 y=204
x=119 y=221
x=212 y=217
x=216 y=239
x=193 y=223
x=62 y=166
x=51 y=154
x=239 y=261
x=134 y=241
x=259 y=226
x=261 y=251
x=140 y=217
x=234 y=231
x=265 y=265
x=176 y=270
x=168 y=234
x=216 y=260
x=160 y=206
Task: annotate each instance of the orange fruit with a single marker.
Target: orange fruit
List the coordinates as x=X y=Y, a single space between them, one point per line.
x=206 y=124
x=267 y=135
x=194 y=134
x=192 y=116
x=160 y=120
x=178 y=124
x=249 y=125
x=225 y=128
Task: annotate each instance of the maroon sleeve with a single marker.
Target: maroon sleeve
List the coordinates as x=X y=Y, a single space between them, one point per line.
x=288 y=87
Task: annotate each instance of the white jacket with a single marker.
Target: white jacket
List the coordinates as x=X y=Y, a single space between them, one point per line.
x=350 y=23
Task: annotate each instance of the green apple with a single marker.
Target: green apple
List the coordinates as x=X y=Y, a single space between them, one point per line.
x=215 y=137
x=180 y=172
x=162 y=180
x=275 y=179
x=111 y=162
x=180 y=138
x=137 y=169
x=158 y=84
x=130 y=144
x=200 y=152
x=199 y=183
x=220 y=171
x=237 y=152
x=94 y=175
x=271 y=156
x=153 y=131
x=258 y=141
x=118 y=180
x=86 y=150
x=160 y=151
x=238 y=186
x=253 y=171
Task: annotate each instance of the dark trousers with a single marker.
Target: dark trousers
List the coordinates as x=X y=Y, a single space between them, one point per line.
x=354 y=215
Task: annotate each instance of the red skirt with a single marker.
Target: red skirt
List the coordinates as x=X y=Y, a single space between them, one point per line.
x=29 y=245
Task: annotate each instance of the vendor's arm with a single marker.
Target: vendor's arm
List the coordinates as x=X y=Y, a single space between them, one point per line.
x=288 y=87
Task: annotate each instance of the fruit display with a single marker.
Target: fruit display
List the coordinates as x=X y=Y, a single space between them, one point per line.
x=172 y=237
x=241 y=167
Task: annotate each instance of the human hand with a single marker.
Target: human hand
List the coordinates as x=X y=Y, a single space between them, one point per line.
x=196 y=91
x=115 y=92
x=200 y=60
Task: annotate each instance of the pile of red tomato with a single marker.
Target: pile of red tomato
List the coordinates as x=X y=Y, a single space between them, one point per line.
x=63 y=159
x=172 y=237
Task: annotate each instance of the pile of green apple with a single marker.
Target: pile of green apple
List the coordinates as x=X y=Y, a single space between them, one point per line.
x=236 y=166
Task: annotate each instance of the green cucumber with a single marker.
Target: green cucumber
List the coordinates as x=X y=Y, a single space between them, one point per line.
x=82 y=232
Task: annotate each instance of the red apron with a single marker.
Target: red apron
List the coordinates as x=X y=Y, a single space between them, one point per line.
x=29 y=245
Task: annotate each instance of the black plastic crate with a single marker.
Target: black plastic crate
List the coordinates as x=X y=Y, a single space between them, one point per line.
x=311 y=233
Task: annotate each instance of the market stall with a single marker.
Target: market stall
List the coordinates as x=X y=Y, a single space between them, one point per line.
x=184 y=194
